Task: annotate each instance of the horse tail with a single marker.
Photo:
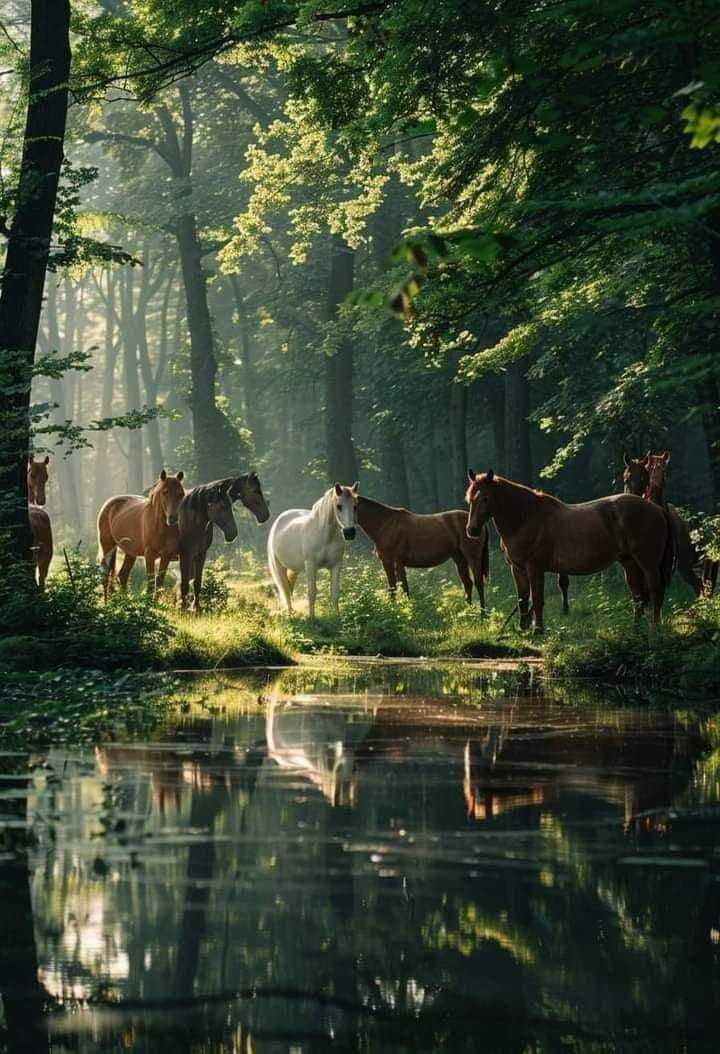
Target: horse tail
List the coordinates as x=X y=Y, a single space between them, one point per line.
x=485 y=563
x=278 y=573
x=669 y=559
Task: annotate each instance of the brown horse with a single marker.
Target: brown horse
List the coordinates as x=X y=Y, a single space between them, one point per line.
x=199 y=510
x=148 y=526
x=40 y=525
x=646 y=477
x=140 y=526
x=37 y=477
x=540 y=533
x=407 y=539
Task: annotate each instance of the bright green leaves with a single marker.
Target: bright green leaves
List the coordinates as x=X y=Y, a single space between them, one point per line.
x=702 y=124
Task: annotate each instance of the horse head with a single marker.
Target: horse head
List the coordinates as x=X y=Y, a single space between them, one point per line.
x=248 y=490
x=219 y=509
x=346 y=502
x=479 y=497
x=656 y=467
x=635 y=475
x=168 y=492
x=37 y=477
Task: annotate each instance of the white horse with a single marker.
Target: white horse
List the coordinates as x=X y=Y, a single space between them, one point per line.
x=308 y=539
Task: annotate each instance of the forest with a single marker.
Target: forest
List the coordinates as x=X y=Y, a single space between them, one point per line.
x=379 y=242
x=359 y=526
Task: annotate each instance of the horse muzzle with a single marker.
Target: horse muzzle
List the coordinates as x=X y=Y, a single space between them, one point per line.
x=474 y=532
x=230 y=534
x=171 y=520
x=348 y=533
x=263 y=517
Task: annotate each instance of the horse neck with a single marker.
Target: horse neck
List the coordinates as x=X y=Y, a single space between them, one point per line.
x=656 y=494
x=513 y=504
x=371 y=515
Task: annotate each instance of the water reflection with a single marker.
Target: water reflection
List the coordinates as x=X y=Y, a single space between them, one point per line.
x=383 y=858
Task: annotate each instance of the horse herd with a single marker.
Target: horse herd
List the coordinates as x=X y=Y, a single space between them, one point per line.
x=538 y=534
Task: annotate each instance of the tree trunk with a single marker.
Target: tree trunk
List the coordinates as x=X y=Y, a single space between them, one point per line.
x=131 y=381
x=341 y=461
x=517 y=427
x=253 y=413
x=392 y=462
x=66 y=491
x=108 y=389
x=26 y=261
x=218 y=446
x=458 y=424
x=496 y=403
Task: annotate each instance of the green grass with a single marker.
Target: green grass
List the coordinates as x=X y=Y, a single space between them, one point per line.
x=242 y=625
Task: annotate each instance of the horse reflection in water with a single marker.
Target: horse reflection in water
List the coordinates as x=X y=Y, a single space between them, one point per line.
x=319 y=743
x=506 y=769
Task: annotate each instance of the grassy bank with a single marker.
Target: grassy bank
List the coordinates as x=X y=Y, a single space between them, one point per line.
x=71 y=627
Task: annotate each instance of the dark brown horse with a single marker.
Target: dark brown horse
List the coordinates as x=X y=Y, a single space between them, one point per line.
x=540 y=533
x=407 y=539
x=201 y=509
x=40 y=525
x=646 y=478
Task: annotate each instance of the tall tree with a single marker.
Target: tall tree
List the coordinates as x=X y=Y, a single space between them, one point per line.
x=28 y=251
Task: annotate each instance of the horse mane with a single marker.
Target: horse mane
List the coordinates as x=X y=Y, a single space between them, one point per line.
x=152 y=492
x=472 y=489
x=323 y=507
x=381 y=504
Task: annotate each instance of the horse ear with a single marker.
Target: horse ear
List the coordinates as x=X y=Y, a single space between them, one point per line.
x=356 y=486
x=163 y=475
x=180 y=475
x=489 y=475
x=666 y=457
x=47 y=459
x=338 y=489
x=471 y=475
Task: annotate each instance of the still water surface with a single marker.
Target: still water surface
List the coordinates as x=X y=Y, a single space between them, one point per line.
x=386 y=858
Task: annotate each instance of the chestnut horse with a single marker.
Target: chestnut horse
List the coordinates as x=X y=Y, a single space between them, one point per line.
x=40 y=525
x=646 y=478
x=140 y=526
x=407 y=539
x=148 y=527
x=540 y=533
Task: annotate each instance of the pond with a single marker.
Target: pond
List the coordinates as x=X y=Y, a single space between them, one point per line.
x=371 y=857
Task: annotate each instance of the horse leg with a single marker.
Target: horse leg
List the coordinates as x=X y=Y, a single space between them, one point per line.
x=311 y=588
x=197 y=580
x=402 y=575
x=635 y=581
x=150 y=558
x=389 y=567
x=162 y=569
x=292 y=577
x=537 y=591
x=185 y=565
x=335 y=587
x=563 y=584
x=478 y=578
x=124 y=572
x=522 y=584
x=464 y=575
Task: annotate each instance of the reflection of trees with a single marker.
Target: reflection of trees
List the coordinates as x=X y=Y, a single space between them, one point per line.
x=402 y=919
x=23 y=998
